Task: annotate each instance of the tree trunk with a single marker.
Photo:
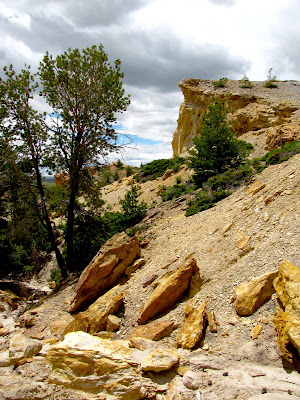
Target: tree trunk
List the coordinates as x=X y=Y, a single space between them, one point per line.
x=45 y=216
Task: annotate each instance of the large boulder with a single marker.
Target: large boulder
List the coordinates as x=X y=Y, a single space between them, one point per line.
x=94 y=319
x=253 y=294
x=105 y=269
x=192 y=329
x=94 y=365
x=287 y=319
x=170 y=290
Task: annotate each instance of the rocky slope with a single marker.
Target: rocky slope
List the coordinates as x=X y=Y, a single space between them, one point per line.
x=178 y=324
x=267 y=115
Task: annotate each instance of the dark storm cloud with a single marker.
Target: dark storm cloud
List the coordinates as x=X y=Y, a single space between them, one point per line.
x=149 y=59
x=103 y=12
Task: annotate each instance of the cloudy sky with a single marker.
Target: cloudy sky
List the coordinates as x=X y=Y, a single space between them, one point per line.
x=159 y=43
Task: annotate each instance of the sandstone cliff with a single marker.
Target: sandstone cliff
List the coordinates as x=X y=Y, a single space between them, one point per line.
x=273 y=114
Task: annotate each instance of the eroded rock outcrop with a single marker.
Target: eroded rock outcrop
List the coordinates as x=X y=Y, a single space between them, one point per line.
x=248 y=110
x=287 y=318
x=105 y=269
x=110 y=368
x=169 y=291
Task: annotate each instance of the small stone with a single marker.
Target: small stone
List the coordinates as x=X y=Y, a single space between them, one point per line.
x=225 y=373
x=232 y=299
x=182 y=370
x=3 y=331
x=264 y=390
x=52 y=285
x=209 y=382
x=228 y=227
x=225 y=333
x=160 y=360
x=144 y=243
x=205 y=347
x=113 y=323
x=255 y=331
x=192 y=380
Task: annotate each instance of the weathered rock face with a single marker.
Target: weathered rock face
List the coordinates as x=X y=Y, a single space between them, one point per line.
x=95 y=318
x=253 y=294
x=287 y=320
x=105 y=269
x=192 y=329
x=110 y=368
x=169 y=291
x=249 y=110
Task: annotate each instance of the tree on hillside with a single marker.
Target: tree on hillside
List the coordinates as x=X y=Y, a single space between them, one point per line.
x=22 y=139
x=216 y=148
x=85 y=92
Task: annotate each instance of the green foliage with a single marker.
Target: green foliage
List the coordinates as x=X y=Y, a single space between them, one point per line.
x=56 y=276
x=119 y=164
x=216 y=149
x=131 y=207
x=279 y=155
x=175 y=191
x=116 y=175
x=245 y=82
x=86 y=92
x=270 y=80
x=138 y=228
x=205 y=200
x=129 y=170
x=157 y=168
x=220 y=83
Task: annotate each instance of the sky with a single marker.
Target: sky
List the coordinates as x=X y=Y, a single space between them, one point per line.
x=159 y=43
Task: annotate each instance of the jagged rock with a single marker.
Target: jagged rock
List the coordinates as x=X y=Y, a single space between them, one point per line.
x=177 y=390
x=190 y=307
x=94 y=319
x=277 y=136
x=192 y=329
x=253 y=294
x=105 y=269
x=169 y=291
x=95 y=365
x=255 y=188
x=22 y=347
x=160 y=360
x=256 y=331
x=287 y=318
x=154 y=330
x=113 y=323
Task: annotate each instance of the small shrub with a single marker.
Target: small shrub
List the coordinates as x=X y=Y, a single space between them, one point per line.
x=116 y=176
x=138 y=228
x=270 y=80
x=206 y=200
x=220 y=83
x=282 y=153
x=56 y=276
x=133 y=210
x=245 y=82
x=129 y=170
x=119 y=164
x=178 y=180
